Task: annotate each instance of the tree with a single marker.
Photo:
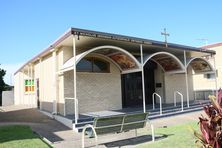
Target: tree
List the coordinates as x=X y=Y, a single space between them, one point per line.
x=2 y=83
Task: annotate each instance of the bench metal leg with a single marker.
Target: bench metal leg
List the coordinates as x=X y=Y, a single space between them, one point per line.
x=83 y=135
x=136 y=132
x=152 y=130
x=153 y=134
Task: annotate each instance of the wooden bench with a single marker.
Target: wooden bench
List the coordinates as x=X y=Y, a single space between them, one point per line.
x=116 y=124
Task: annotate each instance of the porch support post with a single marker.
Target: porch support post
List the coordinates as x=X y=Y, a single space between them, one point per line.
x=31 y=92
x=40 y=85
x=35 y=88
x=215 y=73
x=74 y=80
x=54 y=82
x=29 y=88
x=143 y=85
x=27 y=101
x=23 y=87
x=186 y=79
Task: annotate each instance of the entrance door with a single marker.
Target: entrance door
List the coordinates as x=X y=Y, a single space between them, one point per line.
x=37 y=93
x=149 y=80
x=132 y=89
x=132 y=95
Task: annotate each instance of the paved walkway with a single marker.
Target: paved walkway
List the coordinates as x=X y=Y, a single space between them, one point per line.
x=62 y=136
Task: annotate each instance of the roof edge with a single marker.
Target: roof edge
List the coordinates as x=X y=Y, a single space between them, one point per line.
x=90 y=33
x=212 y=45
x=46 y=50
x=84 y=32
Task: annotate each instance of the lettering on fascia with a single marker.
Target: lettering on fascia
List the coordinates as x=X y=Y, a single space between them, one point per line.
x=87 y=34
x=104 y=36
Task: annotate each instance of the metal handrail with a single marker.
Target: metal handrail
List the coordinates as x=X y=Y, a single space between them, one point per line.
x=181 y=96
x=160 y=101
x=76 y=104
x=76 y=110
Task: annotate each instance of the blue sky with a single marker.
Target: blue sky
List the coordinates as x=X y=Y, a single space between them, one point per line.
x=28 y=26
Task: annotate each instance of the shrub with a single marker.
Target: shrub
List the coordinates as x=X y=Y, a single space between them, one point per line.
x=211 y=126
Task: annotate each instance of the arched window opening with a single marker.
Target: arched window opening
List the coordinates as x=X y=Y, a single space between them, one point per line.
x=93 y=64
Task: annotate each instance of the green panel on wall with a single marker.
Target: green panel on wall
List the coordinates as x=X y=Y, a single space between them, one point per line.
x=29 y=82
x=26 y=82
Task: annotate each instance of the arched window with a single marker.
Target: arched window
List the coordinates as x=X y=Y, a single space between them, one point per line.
x=92 y=64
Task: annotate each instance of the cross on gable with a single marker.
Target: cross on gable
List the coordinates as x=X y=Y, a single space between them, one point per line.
x=165 y=34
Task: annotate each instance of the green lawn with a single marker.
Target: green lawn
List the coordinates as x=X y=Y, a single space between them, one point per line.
x=179 y=136
x=19 y=137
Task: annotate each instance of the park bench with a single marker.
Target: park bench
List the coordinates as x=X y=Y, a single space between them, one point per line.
x=116 y=124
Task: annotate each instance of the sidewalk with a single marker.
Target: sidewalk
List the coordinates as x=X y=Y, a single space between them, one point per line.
x=61 y=136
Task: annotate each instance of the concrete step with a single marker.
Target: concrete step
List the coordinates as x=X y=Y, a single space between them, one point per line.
x=81 y=124
x=85 y=119
x=174 y=113
x=178 y=106
x=173 y=109
x=154 y=114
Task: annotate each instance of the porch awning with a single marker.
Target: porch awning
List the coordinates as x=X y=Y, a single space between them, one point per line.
x=167 y=61
x=68 y=65
x=199 y=65
x=120 y=57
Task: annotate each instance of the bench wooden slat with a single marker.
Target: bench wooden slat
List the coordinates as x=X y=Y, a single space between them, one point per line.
x=113 y=124
x=102 y=124
x=137 y=120
x=117 y=124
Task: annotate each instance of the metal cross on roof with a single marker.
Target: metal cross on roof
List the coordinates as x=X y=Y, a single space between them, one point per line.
x=165 y=34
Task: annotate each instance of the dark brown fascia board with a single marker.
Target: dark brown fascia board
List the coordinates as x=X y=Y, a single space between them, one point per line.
x=104 y=35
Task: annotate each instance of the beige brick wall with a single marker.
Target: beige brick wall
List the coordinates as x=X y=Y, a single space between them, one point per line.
x=177 y=82
x=95 y=91
x=159 y=78
x=201 y=82
x=68 y=84
x=19 y=94
x=17 y=89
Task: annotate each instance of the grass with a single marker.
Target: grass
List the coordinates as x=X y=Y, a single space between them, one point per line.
x=17 y=136
x=176 y=136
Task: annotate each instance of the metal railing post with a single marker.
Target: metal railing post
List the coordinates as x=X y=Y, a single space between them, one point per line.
x=181 y=102
x=181 y=96
x=153 y=101
x=174 y=97
x=160 y=101
x=64 y=107
x=76 y=111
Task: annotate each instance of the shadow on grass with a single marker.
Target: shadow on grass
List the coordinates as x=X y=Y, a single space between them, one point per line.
x=135 y=140
x=39 y=122
x=20 y=133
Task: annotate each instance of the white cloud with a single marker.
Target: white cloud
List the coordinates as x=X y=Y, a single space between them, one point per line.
x=10 y=70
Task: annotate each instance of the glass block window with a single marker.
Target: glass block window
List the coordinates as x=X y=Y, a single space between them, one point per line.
x=29 y=86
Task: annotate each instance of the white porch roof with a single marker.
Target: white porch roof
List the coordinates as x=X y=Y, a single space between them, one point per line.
x=200 y=65
x=121 y=58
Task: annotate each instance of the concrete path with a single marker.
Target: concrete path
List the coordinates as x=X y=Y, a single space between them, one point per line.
x=61 y=136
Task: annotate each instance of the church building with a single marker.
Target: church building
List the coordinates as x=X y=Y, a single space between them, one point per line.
x=86 y=71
